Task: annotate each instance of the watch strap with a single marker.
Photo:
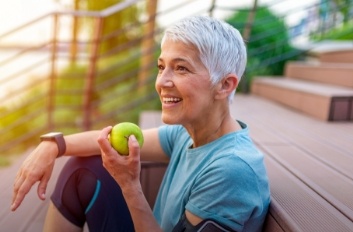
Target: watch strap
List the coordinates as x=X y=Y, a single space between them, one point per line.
x=60 y=141
x=58 y=138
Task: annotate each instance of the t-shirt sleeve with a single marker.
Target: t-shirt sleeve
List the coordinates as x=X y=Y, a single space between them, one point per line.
x=168 y=136
x=225 y=192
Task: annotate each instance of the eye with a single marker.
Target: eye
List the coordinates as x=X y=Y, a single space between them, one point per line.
x=182 y=69
x=160 y=68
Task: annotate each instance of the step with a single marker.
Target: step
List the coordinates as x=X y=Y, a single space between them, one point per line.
x=322 y=101
x=340 y=74
x=329 y=51
x=342 y=56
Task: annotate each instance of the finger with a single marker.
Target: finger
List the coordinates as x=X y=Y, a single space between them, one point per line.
x=105 y=132
x=104 y=143
x=42 y=187
x=18 y=182
x=103 y=136
x=20 y=194
x=134 y=147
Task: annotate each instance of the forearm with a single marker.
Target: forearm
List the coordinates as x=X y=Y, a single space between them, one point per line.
x=82 y=144
x=39 y=164
x=126 y=172
x=140 y=210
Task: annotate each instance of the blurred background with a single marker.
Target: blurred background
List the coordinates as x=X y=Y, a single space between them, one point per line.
x=74 y=65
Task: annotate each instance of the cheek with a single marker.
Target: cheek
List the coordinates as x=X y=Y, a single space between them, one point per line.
x=196 y=98
x=156 y=86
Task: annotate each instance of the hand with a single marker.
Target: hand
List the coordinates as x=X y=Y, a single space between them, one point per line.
x=124 y=169
x=38 y=166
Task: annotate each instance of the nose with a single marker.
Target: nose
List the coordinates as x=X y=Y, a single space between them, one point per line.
x=165 y=79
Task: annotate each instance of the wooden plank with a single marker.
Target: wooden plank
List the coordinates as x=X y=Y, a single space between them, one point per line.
x=306 y=86
x=318 y=145
x=151 y=178
x=328 y=183
x=298 y=208
x=341 y=56
x=311 y=98
x=271 y=224
x=330 y=73
x=291 y=126
x=313 y=160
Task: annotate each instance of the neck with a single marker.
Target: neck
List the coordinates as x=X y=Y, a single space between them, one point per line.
x=212 y=128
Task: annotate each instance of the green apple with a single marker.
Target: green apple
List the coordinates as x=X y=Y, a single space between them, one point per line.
x=119 y=136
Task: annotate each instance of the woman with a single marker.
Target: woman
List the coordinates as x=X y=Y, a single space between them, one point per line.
x=216 y=177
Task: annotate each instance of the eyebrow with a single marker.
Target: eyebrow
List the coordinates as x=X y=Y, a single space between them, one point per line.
x=178 y=60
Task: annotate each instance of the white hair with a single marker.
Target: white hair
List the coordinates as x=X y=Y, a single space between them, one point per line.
x=221 y=47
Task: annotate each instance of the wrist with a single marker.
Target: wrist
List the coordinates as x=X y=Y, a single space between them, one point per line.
x=131 y=189
x=58 y=138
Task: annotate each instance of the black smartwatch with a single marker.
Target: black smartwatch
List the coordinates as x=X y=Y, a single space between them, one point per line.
x=57 y=137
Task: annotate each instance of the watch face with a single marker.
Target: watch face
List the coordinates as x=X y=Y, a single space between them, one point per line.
x=51 y=135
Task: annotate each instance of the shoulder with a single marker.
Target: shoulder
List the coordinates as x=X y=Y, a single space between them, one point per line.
x=172 y=138
x=231 y=168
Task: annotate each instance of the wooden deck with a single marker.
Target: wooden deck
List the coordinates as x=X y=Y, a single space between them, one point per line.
x=309 y=162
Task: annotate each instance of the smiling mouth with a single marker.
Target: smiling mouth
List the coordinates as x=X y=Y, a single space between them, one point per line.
x=171 y=100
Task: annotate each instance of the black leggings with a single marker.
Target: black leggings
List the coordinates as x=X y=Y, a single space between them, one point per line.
x=85 y=192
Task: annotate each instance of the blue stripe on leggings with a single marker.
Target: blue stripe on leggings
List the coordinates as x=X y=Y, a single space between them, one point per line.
x=94 y=198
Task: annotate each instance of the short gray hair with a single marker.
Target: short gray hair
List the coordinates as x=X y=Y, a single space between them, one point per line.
x=221 y=46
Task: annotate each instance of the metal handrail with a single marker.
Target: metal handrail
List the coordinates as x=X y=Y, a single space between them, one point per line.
x=78 y=13
x=85 y=115
x=51 y=47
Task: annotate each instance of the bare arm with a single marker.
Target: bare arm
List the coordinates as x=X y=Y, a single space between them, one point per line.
x=38 y=166
x=82 y=144
x=152 y=150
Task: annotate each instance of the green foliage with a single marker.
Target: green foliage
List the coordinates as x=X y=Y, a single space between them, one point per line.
x=344 y=7
x=117 y=95
x=268 y=47
x=343 y=32
x=23 y=117
x=120 y=94
x=115 y=28
x=69 y=89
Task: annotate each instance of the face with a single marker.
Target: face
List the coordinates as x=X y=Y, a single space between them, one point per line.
x=183 y=84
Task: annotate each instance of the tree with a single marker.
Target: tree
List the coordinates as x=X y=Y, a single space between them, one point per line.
x=345 y=7
x=268 y=45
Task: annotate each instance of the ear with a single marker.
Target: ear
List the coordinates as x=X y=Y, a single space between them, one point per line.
x=226 y=86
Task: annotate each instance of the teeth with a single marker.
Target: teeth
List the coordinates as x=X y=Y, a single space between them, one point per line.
x=171 y=99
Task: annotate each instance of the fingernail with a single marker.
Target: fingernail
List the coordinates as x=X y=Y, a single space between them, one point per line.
x=132 y=137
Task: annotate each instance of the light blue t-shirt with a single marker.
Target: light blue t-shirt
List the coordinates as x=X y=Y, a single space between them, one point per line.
x=224 y=180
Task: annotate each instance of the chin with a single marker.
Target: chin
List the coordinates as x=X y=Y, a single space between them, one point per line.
x=168 y=119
